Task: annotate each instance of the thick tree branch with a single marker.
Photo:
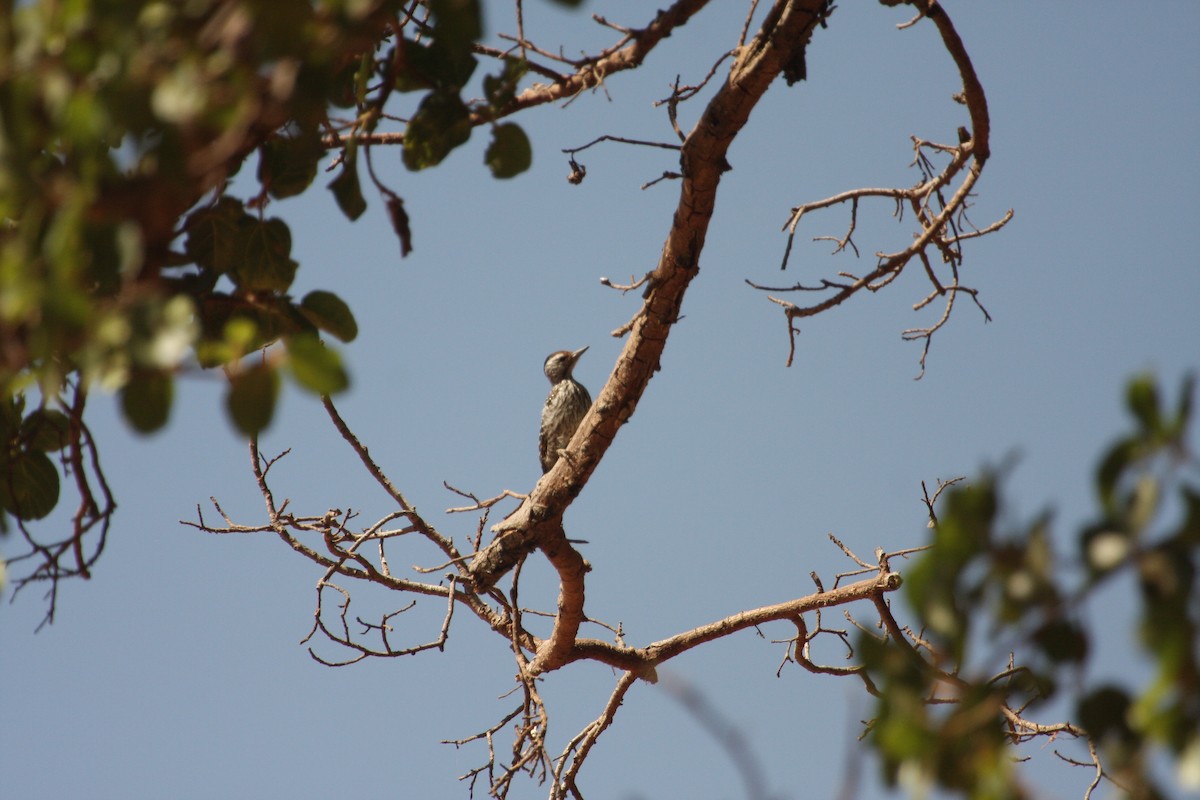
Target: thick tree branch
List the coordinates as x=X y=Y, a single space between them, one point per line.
x=593 y=72
x=644 y=660
x=785 y=33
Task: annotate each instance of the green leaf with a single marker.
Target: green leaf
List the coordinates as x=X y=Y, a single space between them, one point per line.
x=1105 y=712
x=501 y=89
x=146 y=401
x=265 y=262
x=435 y=66
x=509 y=154
x=1039 y=552
x=288 y=164
x=1189 y=528
x=46 y=430
x=937 y=584
x=29 y=488
x=213 y=240
x=251 y=399
x=1031 y=687
x=969 y=751
x=329 y=313
x=965 y=526
x=315 y=366
x=1183 y=417
x=1062 y=641
x=458 y=22
x=103 y=257
x=1142 y=398
x=347 y=191
x=345 y=86
x=414 y=72
x=1118 y=458
x=11 y=409
x=1142 y=503
x=442 y=123
x=231 y=330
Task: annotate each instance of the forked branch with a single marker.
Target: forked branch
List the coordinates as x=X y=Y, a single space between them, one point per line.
x=469 y=578
x=938 y=203
x=46 y=560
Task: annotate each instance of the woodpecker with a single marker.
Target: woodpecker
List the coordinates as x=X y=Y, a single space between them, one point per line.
x=565 y=407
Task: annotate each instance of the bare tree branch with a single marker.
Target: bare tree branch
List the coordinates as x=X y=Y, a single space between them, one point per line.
x=781 y=41
x=73 y=555
x=939 y=217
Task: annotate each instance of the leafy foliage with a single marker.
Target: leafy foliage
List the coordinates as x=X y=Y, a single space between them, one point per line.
x=125 y=259
x=124 y=256
x=30 y=486
x=1013 y=585
x=509 y=154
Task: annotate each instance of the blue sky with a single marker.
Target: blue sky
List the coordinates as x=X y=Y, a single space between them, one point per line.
x=176 y=671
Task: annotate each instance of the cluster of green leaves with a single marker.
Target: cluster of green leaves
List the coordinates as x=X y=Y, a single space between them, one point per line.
x=982 y=592
x=441 y=67
x=117 y=118
x=124 y=258
x=28 y=478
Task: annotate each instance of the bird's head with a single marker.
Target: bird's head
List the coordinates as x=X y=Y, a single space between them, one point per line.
x=558 y=365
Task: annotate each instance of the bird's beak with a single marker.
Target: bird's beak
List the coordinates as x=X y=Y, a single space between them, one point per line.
x=575 y=356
